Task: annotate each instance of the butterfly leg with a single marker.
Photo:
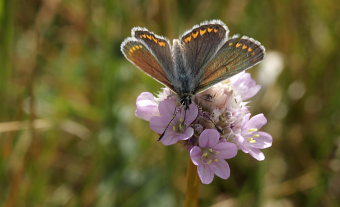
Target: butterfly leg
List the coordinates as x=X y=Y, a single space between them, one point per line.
x=217 y=128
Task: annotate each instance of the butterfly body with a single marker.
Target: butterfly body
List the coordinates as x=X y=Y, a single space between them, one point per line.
x=200 y=58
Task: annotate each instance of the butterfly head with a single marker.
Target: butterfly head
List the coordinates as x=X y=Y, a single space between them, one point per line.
x=185 y=100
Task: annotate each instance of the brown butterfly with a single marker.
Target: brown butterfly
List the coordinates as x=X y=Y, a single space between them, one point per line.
x=202 y=57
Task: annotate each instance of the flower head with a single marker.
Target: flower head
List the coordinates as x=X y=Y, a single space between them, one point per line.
x=210 y=156
x=213 y=128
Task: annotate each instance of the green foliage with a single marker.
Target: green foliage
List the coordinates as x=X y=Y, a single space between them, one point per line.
x=68 y=134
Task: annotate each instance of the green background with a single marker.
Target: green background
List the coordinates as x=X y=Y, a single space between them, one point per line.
x=68 y=134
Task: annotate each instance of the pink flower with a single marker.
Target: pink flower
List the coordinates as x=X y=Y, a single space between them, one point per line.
x=179 y=127
x=250 y=139
x=244 y=85
x=147 y=106
x=210 y=156
x=214 y=127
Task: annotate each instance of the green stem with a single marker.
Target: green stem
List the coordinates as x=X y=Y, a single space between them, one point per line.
x=193 y=184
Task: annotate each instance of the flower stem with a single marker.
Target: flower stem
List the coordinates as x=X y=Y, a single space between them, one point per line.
x=193 y=185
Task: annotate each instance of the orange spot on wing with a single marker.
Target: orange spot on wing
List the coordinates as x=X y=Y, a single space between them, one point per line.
x=154 y=39
x=188 y=39
x=244 y=47
x=250 y=49
x=202 y=32
x=210 y=29
x=144 y=36
x=238 y=45
x=215 y=30
x=195 y=34
x=162 y=44
x=149 y=37
x=231 y=44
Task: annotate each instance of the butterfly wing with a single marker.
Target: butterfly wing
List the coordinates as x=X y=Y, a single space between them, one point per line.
x=158 y=46
x=201 y=43
x=236 y=55
x=139 y=54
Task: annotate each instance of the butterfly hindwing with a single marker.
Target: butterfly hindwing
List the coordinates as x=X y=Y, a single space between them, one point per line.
x=236 y=55
x=139 y=54
x=201 y=43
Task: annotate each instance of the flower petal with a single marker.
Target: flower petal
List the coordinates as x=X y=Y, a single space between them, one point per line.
x=186 y=135
x=257 y=121
x=147 y=106
x=263 y=141
x=196 y=154
x=205 y=173
x=221 y=168
x=226 y=150
x=169 y=138
x=158 y=124
x=245 y=86
x=190 y=114
x=208 y=138
x=257 y=154
x=167 y=107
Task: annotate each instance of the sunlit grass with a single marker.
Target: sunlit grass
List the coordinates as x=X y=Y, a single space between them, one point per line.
x=68 y=134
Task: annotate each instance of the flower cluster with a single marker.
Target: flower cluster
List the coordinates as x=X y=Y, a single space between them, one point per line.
x=214 y=127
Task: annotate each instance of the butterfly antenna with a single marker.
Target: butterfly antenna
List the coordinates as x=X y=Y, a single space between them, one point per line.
x=167 y=126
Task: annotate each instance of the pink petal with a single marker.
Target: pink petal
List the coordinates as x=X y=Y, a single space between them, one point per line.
x=257 y=154
x=257 y=121
x=208 y=138
x=191 y=114
x=169 y=138
x=147 y=106
x=196 y=154
x=167 y=107
x=221 y=169
x=245 y=86
x=158 y=124
x=205 y=173
x=226 y=150
x=186 y=135
x=264 y=141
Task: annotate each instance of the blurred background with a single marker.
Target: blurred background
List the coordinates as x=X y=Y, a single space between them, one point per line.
x=68 y=134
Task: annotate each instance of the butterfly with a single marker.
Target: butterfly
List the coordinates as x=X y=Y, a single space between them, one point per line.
x=200 y=58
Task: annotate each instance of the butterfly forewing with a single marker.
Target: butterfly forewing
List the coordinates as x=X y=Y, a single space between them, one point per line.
x=139 y=54
x=201 y=43
x=159 y=46
x=236 y=55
